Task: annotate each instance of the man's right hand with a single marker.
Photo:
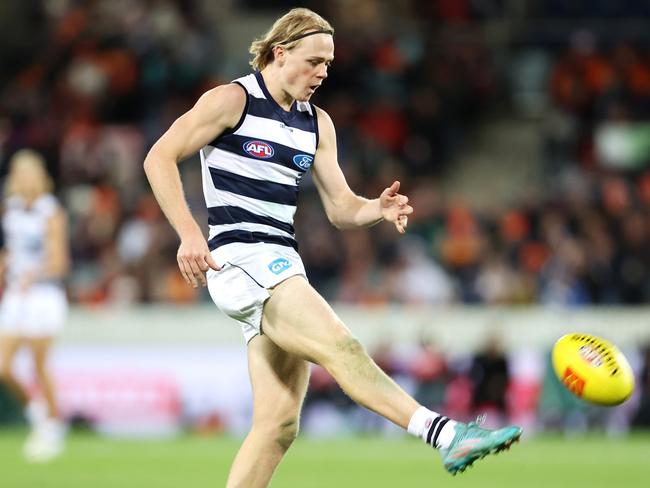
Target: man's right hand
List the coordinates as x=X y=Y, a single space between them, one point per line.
x=194 y=260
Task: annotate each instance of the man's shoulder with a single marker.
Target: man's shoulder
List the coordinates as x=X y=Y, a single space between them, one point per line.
x=324 y=118
x=325 y=123
x=229 y=92
x=223 y=101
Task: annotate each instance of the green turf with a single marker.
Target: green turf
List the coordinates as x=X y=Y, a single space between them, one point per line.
x=189 y=461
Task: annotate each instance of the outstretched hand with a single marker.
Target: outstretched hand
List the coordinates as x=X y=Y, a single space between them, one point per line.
x=395 y=207
x=194 y=260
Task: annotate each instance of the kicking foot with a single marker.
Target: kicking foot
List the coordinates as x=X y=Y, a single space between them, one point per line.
x=473 y=442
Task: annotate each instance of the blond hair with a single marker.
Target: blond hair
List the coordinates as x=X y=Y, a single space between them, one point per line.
x=43 y=183
x=296 y=22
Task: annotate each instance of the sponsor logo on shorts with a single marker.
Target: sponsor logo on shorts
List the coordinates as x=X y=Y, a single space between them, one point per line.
x=259 y=149
x=279 y=265
x=303 y=161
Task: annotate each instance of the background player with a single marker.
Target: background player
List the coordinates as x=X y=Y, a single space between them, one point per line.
x=34 y=261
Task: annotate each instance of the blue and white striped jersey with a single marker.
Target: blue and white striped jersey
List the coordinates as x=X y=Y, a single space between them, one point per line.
x=252 y=172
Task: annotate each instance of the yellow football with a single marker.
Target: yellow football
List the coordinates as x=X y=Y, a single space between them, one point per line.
x=593 y=369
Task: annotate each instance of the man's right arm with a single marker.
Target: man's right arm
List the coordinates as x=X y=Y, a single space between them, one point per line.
x=216 y=111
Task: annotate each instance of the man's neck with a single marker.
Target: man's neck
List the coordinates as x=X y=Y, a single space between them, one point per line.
x=281 y=97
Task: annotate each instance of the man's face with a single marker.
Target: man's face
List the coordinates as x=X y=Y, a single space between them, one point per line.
x=305 y=67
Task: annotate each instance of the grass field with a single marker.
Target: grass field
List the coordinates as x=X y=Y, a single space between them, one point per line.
x=189 y=461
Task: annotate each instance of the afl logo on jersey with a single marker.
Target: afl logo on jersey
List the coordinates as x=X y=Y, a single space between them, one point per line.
x=259 y=149
x=303 y=161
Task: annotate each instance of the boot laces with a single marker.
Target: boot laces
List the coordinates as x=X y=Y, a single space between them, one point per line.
x=479 y=420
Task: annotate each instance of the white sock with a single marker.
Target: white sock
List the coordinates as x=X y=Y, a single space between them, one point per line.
x=36 y=413
x=433 y=428
x=53 y=429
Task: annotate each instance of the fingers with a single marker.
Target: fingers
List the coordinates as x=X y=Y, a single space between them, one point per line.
x=194 y=266
x=198 y=272
x=186 y=271
x=401 y=223
x=391 y=195
x=401 y=219
x=391 y=191
x=395 y=207
x=212 y=263
x=191 y=271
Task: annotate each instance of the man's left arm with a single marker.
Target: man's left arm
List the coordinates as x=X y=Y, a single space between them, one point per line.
x=344 y=208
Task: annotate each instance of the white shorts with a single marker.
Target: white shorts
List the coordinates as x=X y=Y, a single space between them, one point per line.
x=39 y=311
x=240 y=289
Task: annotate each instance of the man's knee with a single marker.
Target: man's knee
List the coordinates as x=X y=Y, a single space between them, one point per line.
x=281 y=433
x=286 y=433
x=345 y=344
x=349 y=345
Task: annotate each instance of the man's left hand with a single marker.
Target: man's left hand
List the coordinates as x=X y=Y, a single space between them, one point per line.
x=395 y=207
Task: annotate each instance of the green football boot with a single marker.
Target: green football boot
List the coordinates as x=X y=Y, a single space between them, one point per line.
x=473 y=442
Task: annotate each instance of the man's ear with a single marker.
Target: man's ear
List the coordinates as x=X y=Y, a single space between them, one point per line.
x=279 y=55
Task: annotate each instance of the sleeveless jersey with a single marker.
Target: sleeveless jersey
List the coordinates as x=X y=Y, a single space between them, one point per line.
x=25 y=230
x=251 y=173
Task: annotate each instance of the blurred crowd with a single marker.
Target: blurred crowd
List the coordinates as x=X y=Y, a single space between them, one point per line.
x=100 y=81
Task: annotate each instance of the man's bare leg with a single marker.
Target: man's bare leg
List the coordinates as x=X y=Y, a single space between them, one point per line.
x=279 y=382
x=300 y=321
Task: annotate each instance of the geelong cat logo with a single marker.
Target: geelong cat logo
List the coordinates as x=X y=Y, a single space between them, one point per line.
x=259 y=149
x=279 y=265
x=303 y=161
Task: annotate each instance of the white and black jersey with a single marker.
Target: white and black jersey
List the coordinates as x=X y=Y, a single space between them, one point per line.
x=40 y=309
x=252 y=172
x=25 y=230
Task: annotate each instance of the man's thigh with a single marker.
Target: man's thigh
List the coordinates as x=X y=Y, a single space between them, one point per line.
x=300 y=321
